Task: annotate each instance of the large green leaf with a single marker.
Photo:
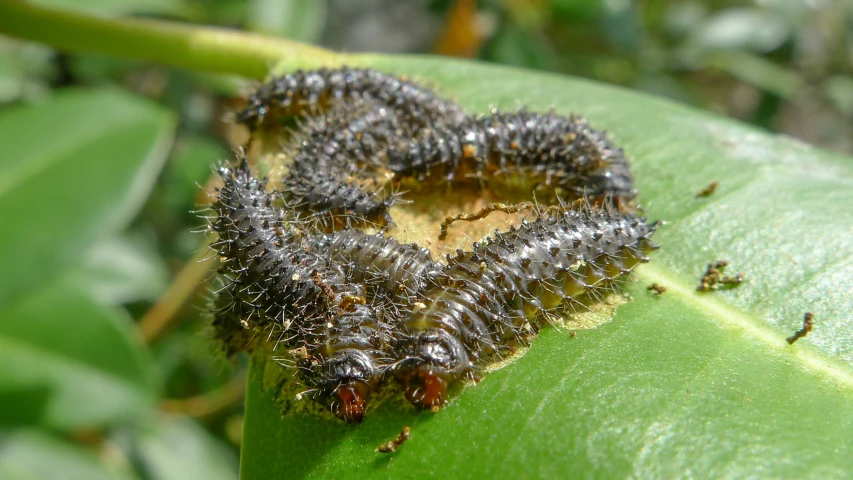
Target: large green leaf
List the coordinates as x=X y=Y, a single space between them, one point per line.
x=73 y=168
x=688 y=384
x=70 y=363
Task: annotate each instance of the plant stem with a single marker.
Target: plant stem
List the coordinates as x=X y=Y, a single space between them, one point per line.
x=198 y=48
x=212 y=403
x=164 y=314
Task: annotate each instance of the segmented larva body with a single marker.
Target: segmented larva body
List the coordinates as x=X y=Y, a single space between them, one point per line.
x=273 y=282
x=331 y=199
x=294 y=93
x=567 y=150
x=347 y=360
x=241 y=205
x=494 y=297
x=393 y=273
x=332 y=158
x=262 y=258
x=347 y=135
x=556 y=150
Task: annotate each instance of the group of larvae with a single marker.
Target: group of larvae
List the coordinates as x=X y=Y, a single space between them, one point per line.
x=301 y=269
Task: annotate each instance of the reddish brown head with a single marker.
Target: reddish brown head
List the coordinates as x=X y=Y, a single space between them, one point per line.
x=425 y=389
x=434 y=360
x=349 y=402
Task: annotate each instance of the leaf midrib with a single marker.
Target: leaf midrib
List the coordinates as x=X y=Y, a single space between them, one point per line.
x=732 y=318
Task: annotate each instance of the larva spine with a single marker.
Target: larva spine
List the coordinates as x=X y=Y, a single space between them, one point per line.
x=261 y=257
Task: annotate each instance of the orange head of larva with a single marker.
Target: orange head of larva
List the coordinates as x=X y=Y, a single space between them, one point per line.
x=345 y=380
x=434 y=359
x=425 y=389
x=349 y=402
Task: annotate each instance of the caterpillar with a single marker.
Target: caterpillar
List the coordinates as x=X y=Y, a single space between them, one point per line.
x=331 y=200
x=273 y=281
x=254 y=244
x=494 y=297
x=333 y=155
x=558 y=150
x=347 y=361
x=563 y=150
x=347 y=135
x=393 y=273
x=294 y=93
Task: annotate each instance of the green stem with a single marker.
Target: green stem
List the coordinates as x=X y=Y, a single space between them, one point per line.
x=206 y=49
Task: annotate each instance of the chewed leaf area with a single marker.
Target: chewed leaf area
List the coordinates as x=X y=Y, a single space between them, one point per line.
x=340 y=268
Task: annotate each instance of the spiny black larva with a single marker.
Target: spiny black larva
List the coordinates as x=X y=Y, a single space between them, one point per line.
x=347 y=361
x=274 y=284
x=347 y=135
x=252 y=240
x=493 y=298
x=332 y=156
x=553 y=149
x=393 y=273
x=292 y=94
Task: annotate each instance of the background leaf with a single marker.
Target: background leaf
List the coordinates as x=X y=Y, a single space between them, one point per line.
x=21 y=66
x=177 y=448
x=121 y=269
x=687 y=384
x=29 y=454
x=74 y=367
x=747 y=28
x=294 y=19
x=81 y=163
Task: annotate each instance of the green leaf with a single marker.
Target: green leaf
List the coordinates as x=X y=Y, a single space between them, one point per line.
x=24 y=70
x=758 y=72
x=302 y=20
x=685 y=384
x=121 y=269
x=753 y=29
x=74 y=168
x=180 y=449
x=70 y=363
x=30 y=454
x=578 y=11
x=839 y=91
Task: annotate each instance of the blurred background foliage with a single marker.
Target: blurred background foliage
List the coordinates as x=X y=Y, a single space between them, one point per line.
x=784 y=65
